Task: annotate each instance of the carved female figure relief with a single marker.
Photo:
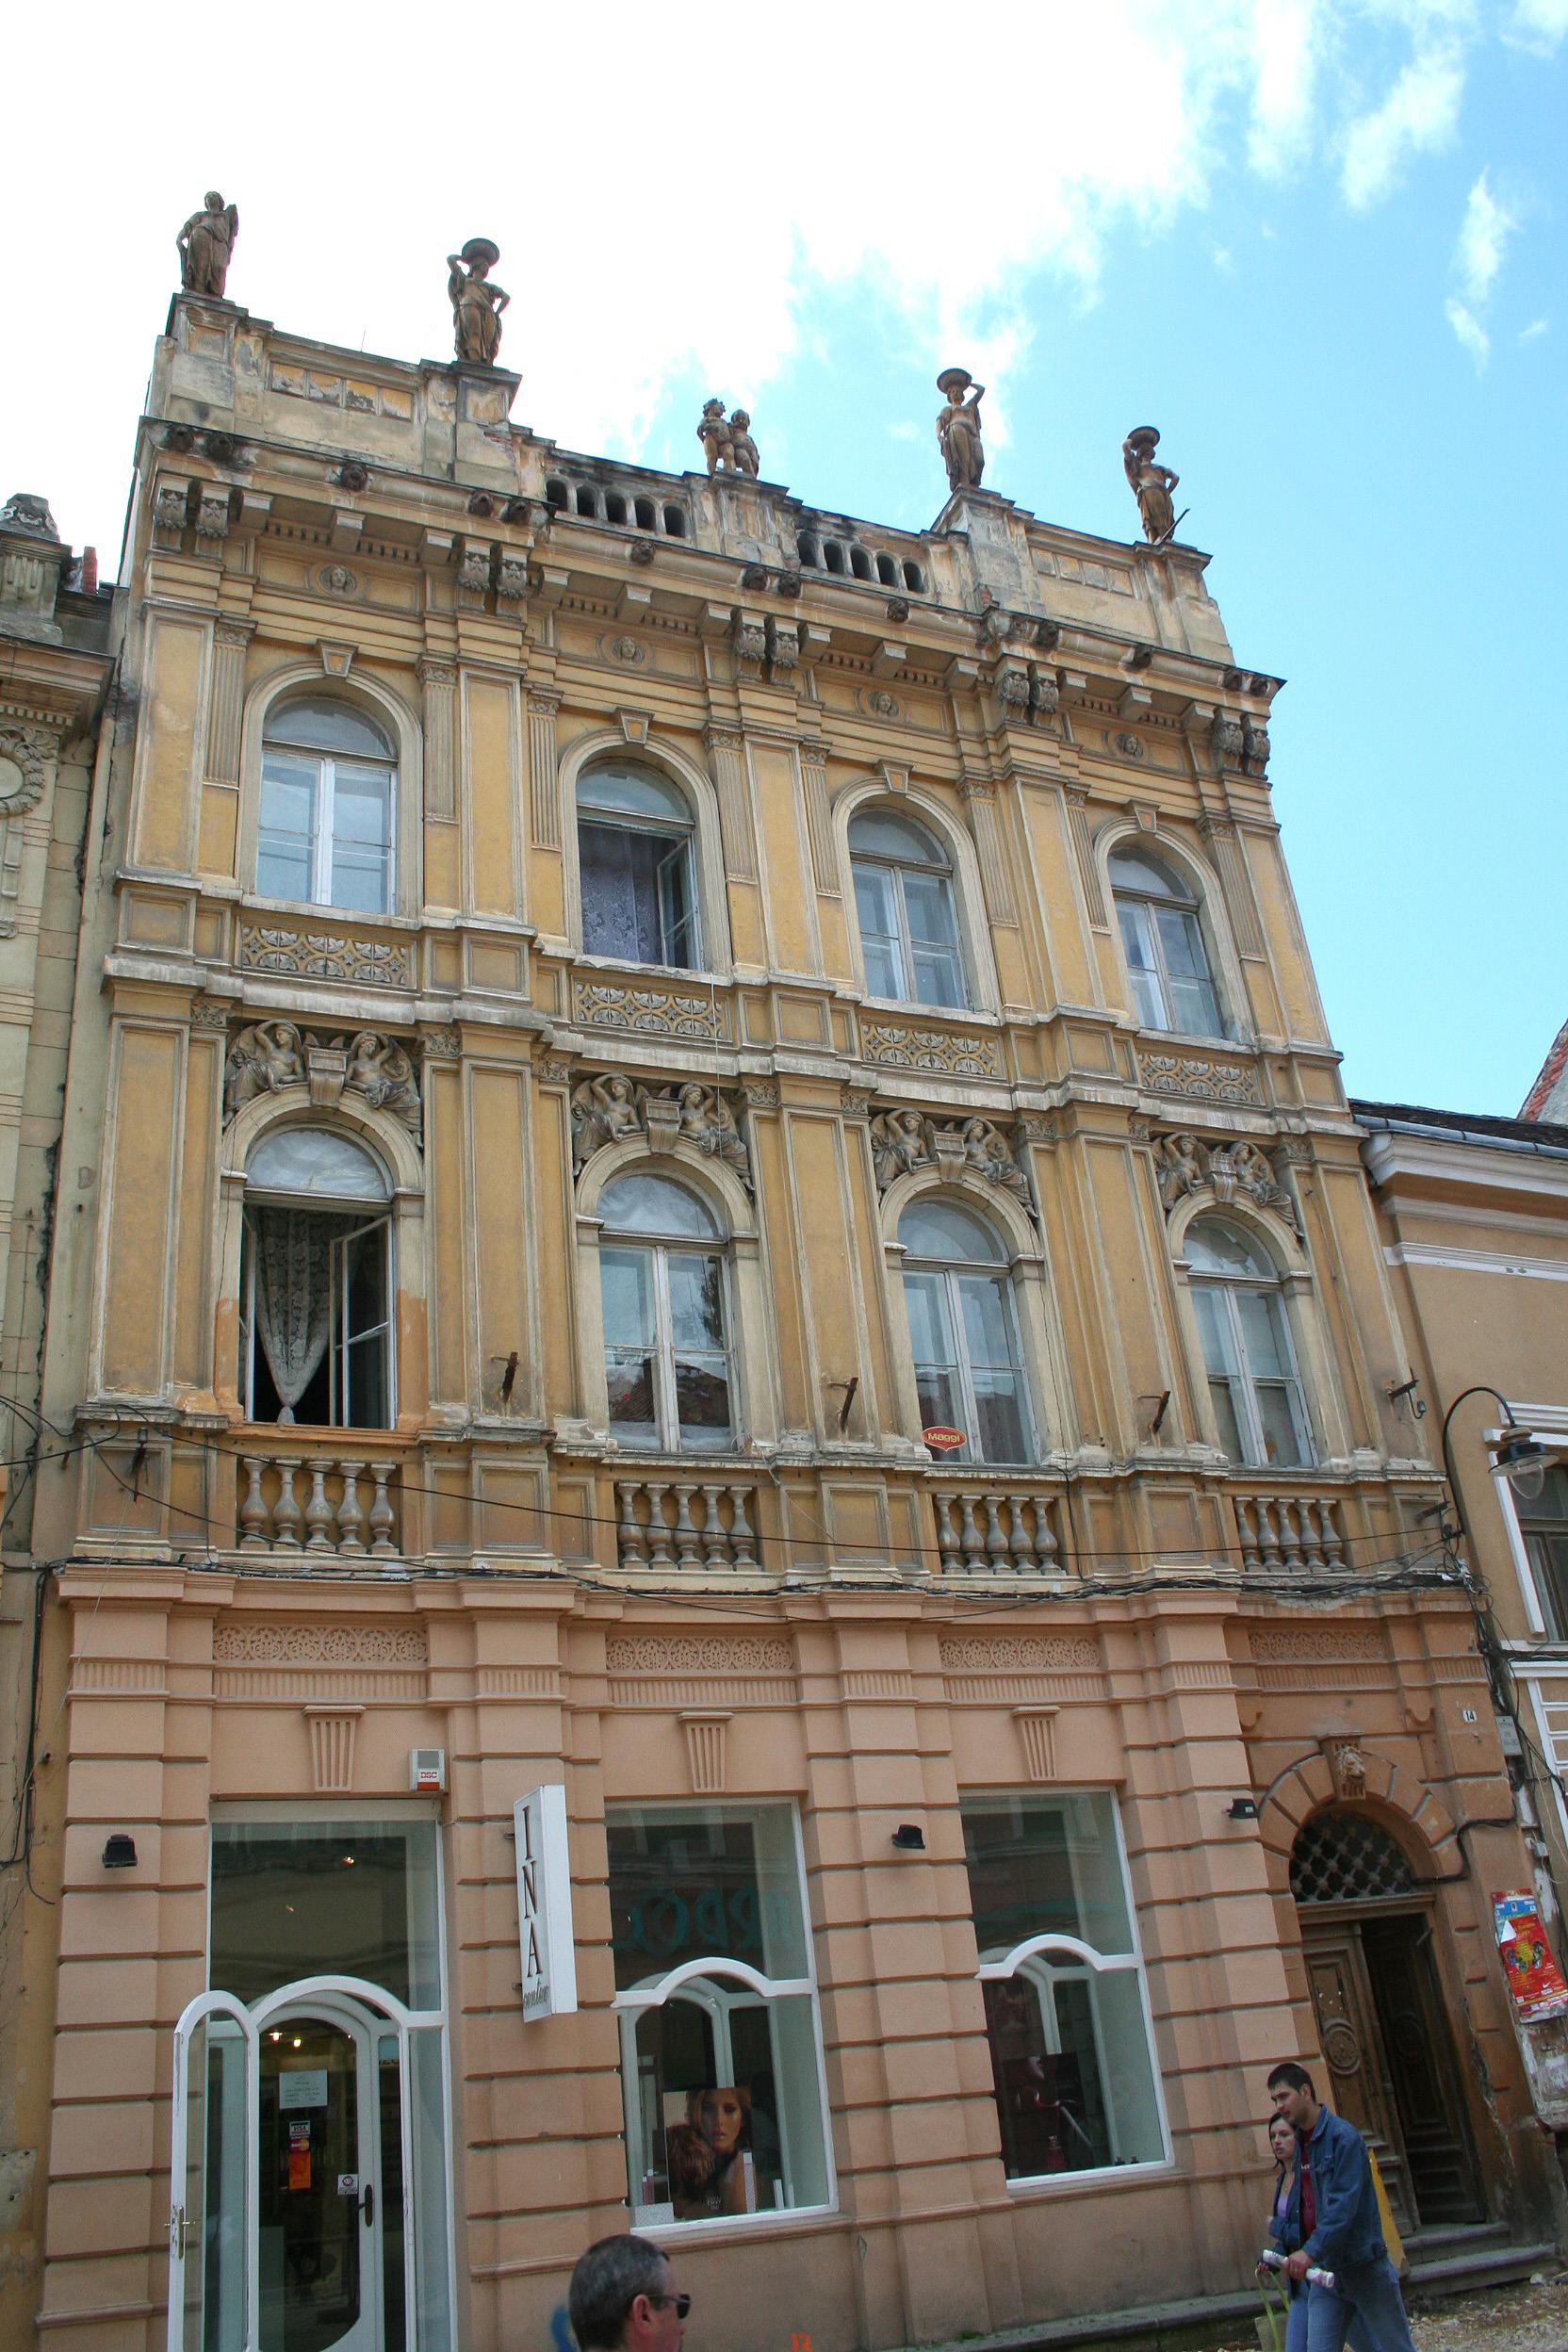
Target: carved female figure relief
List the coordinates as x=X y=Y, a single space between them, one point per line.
x=475 y=304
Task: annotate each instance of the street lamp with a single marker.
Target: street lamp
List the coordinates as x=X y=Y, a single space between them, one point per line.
x=1522 y=1459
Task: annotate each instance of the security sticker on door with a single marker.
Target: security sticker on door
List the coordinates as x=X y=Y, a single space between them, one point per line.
x=348 y=2185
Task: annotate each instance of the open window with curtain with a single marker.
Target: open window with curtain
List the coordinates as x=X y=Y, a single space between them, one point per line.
x=316 y=1283
x=634 y=841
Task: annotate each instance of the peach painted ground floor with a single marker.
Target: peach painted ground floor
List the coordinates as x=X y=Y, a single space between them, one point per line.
x=906 y=1966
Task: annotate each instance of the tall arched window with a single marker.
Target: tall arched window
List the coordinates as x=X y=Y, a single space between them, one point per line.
x=964 y=1331
x=1254 y=1383
x=1163 y=942
x=325 y=829
x=662 y=1281
x=316 y=1283
x=904 y=903
x=634 y=861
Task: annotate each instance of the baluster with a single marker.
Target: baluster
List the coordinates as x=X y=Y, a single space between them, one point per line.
x=286 y=1514
x=1271 y=1509
x=382 y=1546
x=741 y=1537
x=252 y=1511
x=1045 y=1543
x=351 y=1518
x=947 y=1545
x=996 y=1543
x=1333 y=1543
x=715 y=1547
x=687 y=1554
x=319 y=1512
x=1246 y=1529
x=974 y=1559
x=630 y=1542
x=659 y=1553
x=1019 y=1544
x=1312 y=1533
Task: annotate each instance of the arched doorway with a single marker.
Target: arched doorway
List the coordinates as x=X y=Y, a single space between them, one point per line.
x=1366 y=1939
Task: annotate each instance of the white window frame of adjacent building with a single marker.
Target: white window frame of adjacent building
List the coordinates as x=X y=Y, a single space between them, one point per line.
x=330 y=750
x=949 y=1277
x=1548 y=1425
x=718 y=1985
x=1217 y=1293
x=893 y=847
x=332 y=1183
x=1148 y=889
x=636 y=802
x=678 y=1228
x=1046 y=1959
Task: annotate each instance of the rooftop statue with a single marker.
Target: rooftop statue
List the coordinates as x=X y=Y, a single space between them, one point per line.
x=745 y=448
x=958 y=429
x=205 y=244
x=1151 y=485
x=477 y=305
x=718 y=440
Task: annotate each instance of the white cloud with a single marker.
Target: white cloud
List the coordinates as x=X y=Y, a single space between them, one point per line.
x=1538 y=25
x=905 y=431
x=1478 y=254
x=1537 y=327
x=1286 y=36
x=1469 y=330
x=1420 y=112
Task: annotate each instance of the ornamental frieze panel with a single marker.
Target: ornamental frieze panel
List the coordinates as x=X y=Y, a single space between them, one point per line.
x=1198 y=1076
x=898 y=1045
x=272 y=1054
x=649 y=1012
x=25 y=754
x=324 y=955
x=607 y=1109
x=1187 y=1164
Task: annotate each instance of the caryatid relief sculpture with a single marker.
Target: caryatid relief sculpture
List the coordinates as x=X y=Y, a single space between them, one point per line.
x=726 y=441
x=958 y=429
x=205 y=244
x=1151 y=485
x=477 y=305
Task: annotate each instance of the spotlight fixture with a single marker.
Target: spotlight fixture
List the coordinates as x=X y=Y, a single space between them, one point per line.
x=909 y=1838
x=119 y=1851
x=1243 y=1809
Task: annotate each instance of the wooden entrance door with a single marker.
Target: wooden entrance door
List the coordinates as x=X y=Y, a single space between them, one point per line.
x=1348 y=2037
x=1420 y=2051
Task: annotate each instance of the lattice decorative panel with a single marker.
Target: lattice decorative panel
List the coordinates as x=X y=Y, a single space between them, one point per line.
x=1342 y=1857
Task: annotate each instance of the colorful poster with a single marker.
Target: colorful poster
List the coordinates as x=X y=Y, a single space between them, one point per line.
x=299 y=2155
x=1534 y=1978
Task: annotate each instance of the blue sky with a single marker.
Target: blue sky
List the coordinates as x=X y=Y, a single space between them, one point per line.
x=1319 y=244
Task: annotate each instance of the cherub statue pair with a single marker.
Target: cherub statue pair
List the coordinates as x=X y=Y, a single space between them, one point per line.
x=726 y=441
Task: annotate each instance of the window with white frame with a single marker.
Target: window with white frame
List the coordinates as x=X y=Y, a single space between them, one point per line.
x=663 y=1284
x=1253 y=1385
x=325 y=834
x=634 y=841
x=904 y=905
x=1543 y=1531
x=1163 y=942
x=720 y=2043
x=963 y=1330
x=316 y=1283
x=1067 y=2008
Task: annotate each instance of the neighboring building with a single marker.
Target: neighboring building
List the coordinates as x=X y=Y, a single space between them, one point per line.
x=612 y=1006
x=1474 y=1220
x=55 y=670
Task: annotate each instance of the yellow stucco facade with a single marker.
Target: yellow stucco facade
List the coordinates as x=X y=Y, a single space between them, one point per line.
x=632 y=1000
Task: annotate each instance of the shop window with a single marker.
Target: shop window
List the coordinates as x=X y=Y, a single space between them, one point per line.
x=316 y=1283
x=662 y=1281
x=325 y=834
x=721 y=2068
x=903 y=904
x=1253 y=1386
x=1544 y=1526
x=1067 y=2016
x=964 y=1331
x=1162 y=941
x=635 y=860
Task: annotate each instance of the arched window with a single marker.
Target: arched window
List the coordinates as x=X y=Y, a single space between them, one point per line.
x=903 y=901
x=1163 y=942
x=635 y=858
x=316 y=1283
x=325 y=834
x=963 y=1332
x=666 y=1318
x=1247 y=1351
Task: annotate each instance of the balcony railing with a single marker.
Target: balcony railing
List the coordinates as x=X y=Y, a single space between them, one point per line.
x=997 y=1524
x=300 y=1498
x=1286 y=1534
x=690 y=1523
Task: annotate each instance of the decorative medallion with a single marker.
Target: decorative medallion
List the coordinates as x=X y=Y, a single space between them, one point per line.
x=629 y=651
x=336 y=580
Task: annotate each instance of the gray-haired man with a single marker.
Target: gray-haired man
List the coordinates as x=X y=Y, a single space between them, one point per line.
x=622 y=2299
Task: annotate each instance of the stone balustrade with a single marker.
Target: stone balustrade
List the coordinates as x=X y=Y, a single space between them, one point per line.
x=681 y=1522
x=1287 y=1534
x=995 y=1525
x=295 y=1499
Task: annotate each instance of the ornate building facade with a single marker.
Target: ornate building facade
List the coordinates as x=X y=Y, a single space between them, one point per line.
x=717 y=1184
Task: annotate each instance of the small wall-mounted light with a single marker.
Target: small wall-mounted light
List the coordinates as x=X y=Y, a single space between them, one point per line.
x=1522 y=1460
x=1243 y=1809
x=119 y=1851
x=909 y=1838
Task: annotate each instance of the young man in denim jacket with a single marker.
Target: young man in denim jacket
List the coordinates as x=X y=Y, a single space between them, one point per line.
x=1341 y=2226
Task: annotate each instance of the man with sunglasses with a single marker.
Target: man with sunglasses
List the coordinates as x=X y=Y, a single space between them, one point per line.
x=622 y=2299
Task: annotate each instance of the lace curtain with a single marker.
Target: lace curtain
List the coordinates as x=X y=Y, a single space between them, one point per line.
x=294 y=1294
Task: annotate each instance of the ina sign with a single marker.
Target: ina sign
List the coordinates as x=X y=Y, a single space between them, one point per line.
x=545 y=1904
